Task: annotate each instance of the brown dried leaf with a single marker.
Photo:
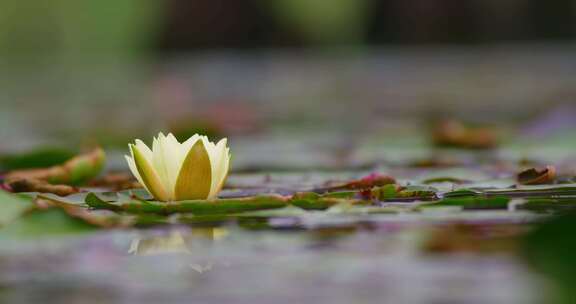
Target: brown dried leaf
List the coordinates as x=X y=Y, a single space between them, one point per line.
x=534 y=176
x=452 y=133
x=116 y=181
x=35 y=185
x=368 y=182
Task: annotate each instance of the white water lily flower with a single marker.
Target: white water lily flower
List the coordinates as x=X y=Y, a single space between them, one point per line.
x=173 y=171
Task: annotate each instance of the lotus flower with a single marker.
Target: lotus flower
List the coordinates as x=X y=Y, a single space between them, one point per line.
x=173 y=171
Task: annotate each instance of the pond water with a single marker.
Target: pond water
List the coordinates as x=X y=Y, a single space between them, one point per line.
x=369 y=258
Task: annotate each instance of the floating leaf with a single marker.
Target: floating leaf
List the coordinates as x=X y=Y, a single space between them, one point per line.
x=539 y=191
x=535 y=176
x=314 y=201
x=12 y=206
x=35 y=185
x=305 y=200
x=535 y=191
x=368 y=182
x=418 y=193
x=46 y=222
x=452 y=133
x=116 y=181
x=97 y=203
x=75 y=171
x=340 y=194
x=398 y=193
x=40 y=158
x=220 y=206
x=463 y=193
x=445 y=180
x=100 y=218
x=499 y=202
x=288 y=211
x=76 y=199
x=384 y=192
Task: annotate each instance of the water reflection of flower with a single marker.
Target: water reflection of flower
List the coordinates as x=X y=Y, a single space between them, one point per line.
x=177 y=242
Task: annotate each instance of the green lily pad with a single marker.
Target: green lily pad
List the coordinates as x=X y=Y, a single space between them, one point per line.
x=499 y=202
x=12 y=206
x=46 y=223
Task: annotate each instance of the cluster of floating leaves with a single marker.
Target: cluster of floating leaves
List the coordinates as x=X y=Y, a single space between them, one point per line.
x=46 y=189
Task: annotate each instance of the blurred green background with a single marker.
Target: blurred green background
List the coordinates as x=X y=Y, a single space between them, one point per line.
x=78 y=71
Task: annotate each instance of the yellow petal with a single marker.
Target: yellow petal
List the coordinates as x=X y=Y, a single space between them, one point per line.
x=148 y=174
x=213 y=156
x=134 y=171
x=195 y=176
x=187 y=144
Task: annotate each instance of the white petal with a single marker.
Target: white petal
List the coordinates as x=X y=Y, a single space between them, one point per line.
x=162 y=163
x=225 y=167
x=174 y=158
x=220 y=166
x=143 y=148
x=218 y=158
